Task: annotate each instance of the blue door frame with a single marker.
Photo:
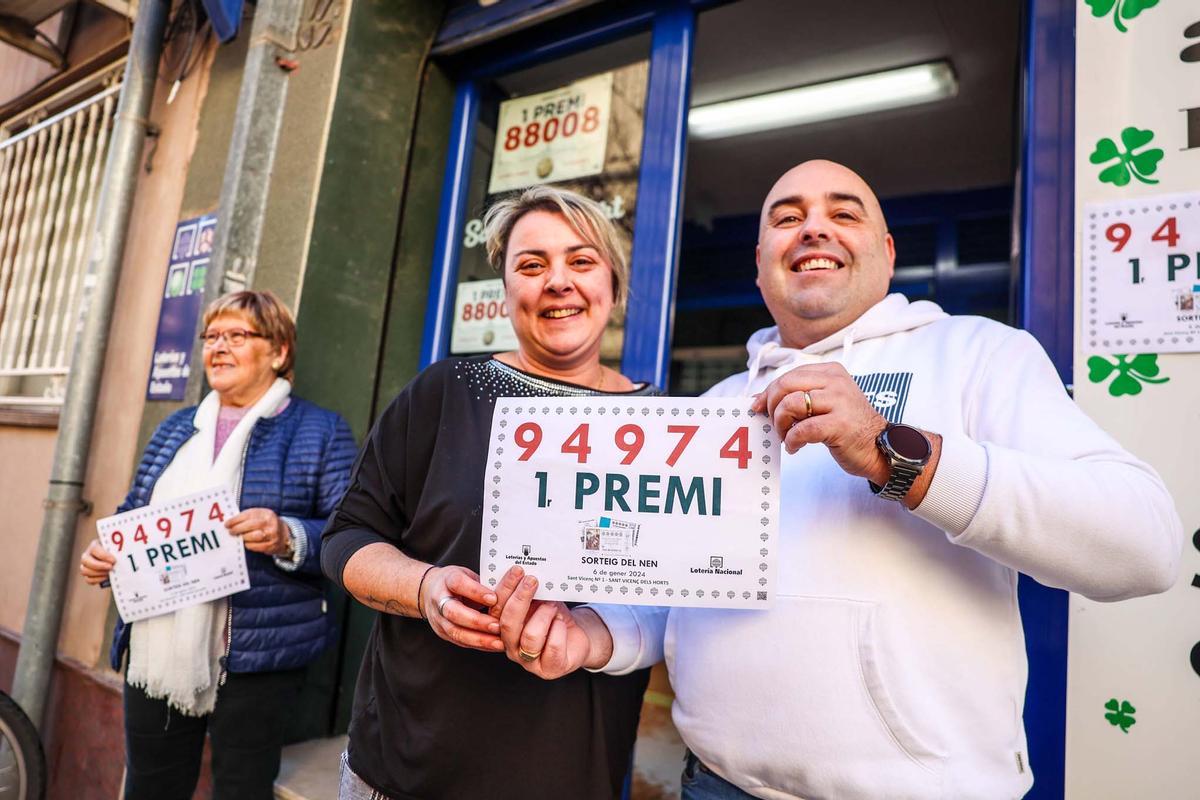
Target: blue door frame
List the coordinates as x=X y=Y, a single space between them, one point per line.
x=1043 y=290
x=1046 y=298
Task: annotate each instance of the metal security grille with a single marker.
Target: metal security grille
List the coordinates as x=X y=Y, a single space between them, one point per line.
x=50 y=175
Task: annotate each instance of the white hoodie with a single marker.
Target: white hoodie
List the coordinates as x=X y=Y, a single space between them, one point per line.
x=893 y=662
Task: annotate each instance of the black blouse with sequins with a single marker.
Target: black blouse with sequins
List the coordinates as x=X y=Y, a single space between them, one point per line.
x=435 y=721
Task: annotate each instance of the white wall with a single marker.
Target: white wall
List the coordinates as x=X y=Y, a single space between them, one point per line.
x=1138 y=651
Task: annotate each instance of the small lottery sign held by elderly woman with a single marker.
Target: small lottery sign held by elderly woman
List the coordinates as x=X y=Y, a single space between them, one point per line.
x=643 y=501
x=175 y=554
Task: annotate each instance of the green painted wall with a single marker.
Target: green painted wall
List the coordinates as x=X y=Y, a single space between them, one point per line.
x=414 y=253
x=345 y=297
x=362 y=302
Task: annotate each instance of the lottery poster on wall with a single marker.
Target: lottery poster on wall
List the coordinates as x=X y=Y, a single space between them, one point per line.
x=1141 y=269
x=174 y=555
x=639 y=501
x=183 y=296
x=552 y=136
x=481 y=319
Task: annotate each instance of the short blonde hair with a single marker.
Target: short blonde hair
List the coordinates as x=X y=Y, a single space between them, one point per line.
x=268 y=315
x=585 y=216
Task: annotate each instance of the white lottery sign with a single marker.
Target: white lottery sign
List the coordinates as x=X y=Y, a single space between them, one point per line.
x=174 y=554
x=634 y=500
x=552 y=136
x=1141 y=275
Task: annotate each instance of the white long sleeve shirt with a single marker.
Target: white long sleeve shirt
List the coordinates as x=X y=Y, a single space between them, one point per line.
x=892 y=664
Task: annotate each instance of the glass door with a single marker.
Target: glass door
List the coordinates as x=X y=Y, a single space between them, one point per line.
x=603 y=113
x=574 y=123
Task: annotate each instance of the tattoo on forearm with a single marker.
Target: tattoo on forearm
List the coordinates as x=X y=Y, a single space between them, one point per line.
x=389 y=606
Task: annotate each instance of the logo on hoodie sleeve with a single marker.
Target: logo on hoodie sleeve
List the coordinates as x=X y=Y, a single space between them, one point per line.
x=887 y=391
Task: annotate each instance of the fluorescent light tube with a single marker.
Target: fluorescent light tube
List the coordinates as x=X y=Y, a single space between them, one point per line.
x=820 y=102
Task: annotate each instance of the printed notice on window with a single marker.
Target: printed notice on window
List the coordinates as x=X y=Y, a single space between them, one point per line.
x=1141 y=275
x=481 y=319
x=642 y=501
x=553 y=136
x=175 y=554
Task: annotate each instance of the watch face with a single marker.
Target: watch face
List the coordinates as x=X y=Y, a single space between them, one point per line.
x=908 y=443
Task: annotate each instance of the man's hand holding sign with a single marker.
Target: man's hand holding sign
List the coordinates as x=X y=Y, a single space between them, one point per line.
x=822 y=404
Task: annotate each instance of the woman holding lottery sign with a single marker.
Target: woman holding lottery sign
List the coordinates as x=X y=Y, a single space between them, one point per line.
x=439 y=711
x=233 y=667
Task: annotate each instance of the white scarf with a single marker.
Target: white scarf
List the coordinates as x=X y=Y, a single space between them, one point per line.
x=176 y=656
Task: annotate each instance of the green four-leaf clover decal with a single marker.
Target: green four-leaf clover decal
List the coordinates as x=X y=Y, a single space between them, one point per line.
x=1125 y=9
x=1131 y=372
x=1120 y=714
x=1129 y=162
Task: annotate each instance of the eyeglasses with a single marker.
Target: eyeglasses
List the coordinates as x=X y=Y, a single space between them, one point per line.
x=235 y=337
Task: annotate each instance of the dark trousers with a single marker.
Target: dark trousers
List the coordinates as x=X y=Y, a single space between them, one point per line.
x=163 y=748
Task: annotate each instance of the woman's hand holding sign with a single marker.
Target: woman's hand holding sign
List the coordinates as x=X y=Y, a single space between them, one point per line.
x=546 y=637
x=448 y=599
x=96 y=563
x=262 y=531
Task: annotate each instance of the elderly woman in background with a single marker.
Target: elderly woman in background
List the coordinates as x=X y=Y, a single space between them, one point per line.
x=234 y=666
x=438 y=711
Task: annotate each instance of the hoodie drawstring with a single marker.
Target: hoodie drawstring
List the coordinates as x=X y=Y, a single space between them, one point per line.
x=797 y=359
x=847 y=347
x=754 y=364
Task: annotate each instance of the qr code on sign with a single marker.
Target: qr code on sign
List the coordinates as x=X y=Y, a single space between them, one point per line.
x=762 y=595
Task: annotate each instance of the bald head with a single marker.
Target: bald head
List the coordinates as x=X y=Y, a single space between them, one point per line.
x=821 y=177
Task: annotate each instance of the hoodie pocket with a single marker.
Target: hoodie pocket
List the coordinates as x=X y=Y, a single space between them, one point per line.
x=815 y=690
x=873 y=664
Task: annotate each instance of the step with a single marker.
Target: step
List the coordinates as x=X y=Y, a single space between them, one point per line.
x=310 y=770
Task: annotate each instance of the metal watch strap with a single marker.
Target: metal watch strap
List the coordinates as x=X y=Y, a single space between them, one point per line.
x=902 y=479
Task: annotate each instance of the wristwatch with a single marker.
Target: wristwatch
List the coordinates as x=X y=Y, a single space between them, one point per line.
x=907 y=451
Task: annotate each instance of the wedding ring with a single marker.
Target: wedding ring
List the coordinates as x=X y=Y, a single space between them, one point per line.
x=441 y=604
x=807 y=405
x=526 y=656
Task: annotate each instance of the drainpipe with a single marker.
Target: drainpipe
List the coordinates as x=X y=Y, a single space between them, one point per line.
x=64 y=500
x=259 y=117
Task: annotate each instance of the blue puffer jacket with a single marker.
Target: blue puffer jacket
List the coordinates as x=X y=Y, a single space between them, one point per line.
x=298 y=465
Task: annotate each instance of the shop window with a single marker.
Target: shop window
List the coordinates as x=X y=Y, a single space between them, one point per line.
x=941 y=166
x=574 y=123
x=916 y=244
x=985 y=240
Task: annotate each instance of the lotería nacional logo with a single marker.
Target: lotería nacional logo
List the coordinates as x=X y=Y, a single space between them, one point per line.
x=716 y=566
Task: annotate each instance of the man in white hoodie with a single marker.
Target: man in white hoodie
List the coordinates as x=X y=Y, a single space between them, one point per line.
x=931 y=459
